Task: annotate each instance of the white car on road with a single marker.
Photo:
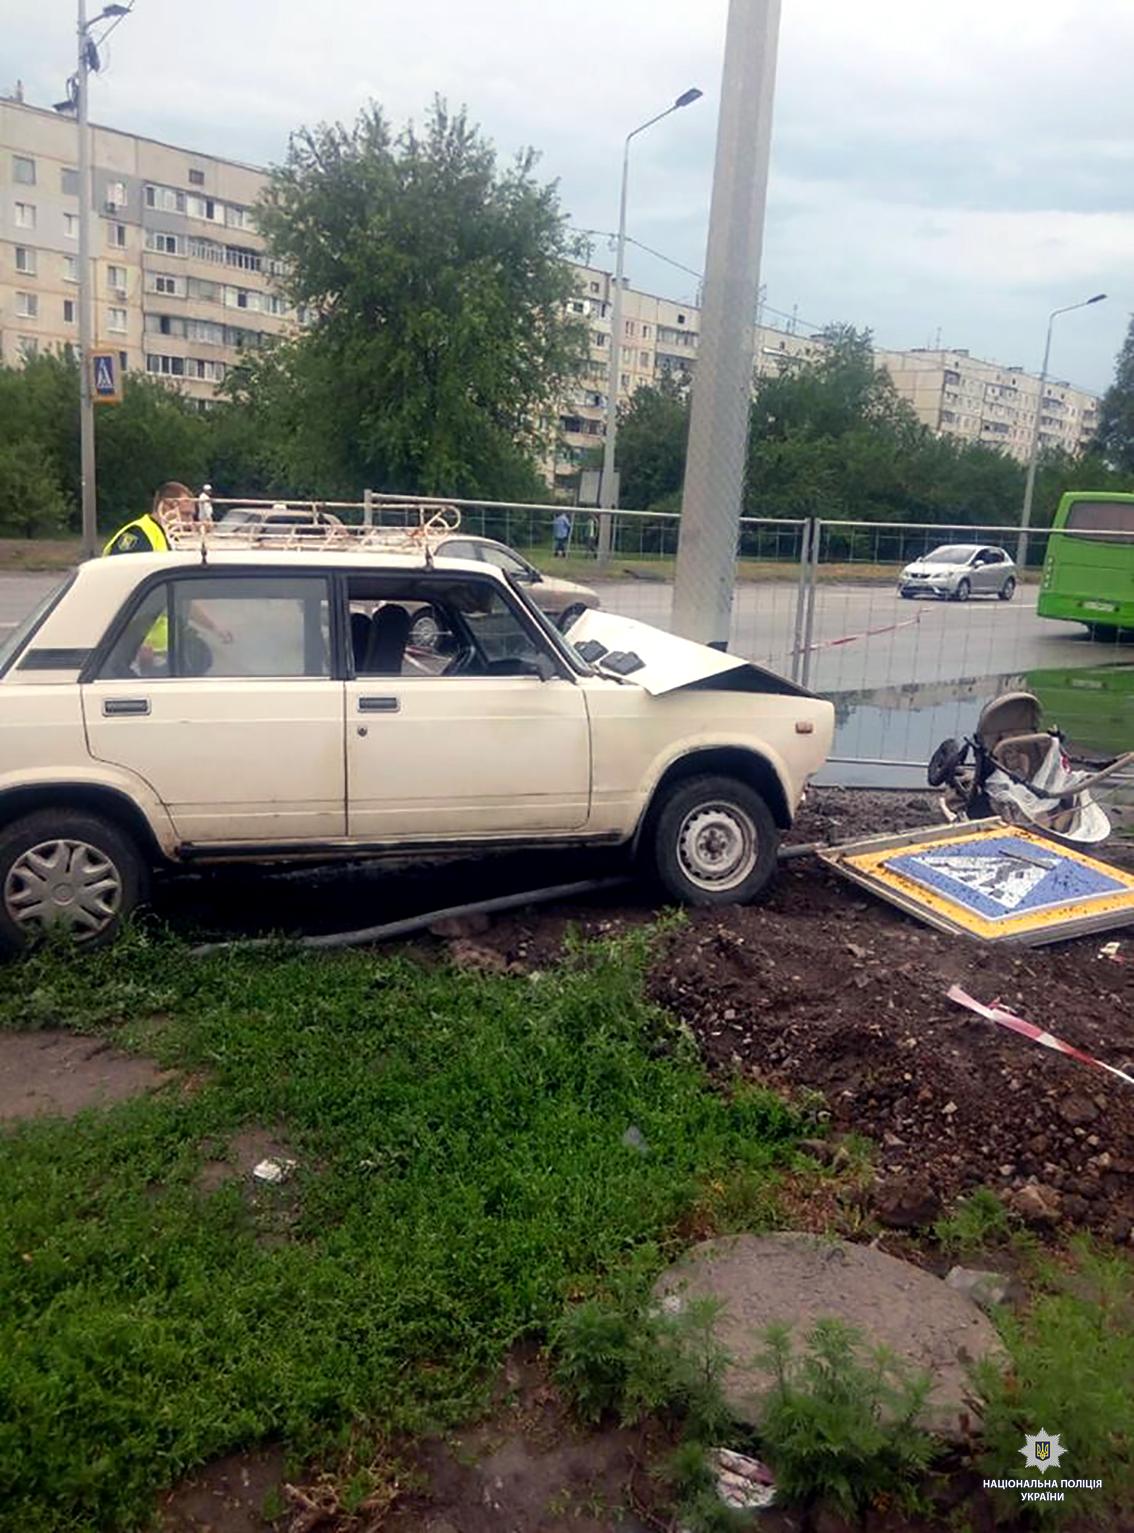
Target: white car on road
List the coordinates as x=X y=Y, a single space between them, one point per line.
x=169 y=710
x=956 y=571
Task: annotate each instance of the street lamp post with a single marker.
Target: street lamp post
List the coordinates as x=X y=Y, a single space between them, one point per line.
x=1033 y=451
x=606 y=492
x=86 y=61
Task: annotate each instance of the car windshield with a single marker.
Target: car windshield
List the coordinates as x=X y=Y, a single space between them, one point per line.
x=951 y=553
x=12 y=643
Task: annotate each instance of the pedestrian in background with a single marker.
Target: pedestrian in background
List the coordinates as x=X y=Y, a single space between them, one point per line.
x=560 y=532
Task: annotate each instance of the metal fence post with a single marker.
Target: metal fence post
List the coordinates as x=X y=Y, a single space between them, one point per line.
x=809 y=616
x=368 y=508
x=801 y=599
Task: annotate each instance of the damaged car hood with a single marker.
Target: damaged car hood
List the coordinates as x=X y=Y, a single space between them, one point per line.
x=660 y=662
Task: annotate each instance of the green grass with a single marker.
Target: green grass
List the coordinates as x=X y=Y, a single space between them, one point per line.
x=1071 y=1362
x=977 y=1222
x=462 y=1174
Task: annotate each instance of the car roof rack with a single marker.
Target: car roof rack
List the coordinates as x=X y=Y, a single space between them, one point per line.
x=423 y=526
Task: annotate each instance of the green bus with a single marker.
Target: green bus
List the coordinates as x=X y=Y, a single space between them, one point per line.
x=1087 y=578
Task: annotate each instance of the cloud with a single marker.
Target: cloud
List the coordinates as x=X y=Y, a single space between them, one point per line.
x=966 y=165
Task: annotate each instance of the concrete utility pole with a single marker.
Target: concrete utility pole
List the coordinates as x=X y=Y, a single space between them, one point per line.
x=86 y=406
x=722 y=384
x=1033 y=451
x=607 y=497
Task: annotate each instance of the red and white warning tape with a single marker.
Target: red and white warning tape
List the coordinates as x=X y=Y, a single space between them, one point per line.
x=997 y=1013
x=867 y=633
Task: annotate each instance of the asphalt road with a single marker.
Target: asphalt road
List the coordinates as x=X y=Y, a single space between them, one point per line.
x=863 y=636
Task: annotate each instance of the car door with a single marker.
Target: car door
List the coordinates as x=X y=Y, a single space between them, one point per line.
x=487 y=736
x=984 y=573
x=217 y=689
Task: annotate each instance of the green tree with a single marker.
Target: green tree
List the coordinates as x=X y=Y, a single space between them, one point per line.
x=652 y=433
x=32 y=504
x=1114 y=440
x=155 y=434
x=435 y=287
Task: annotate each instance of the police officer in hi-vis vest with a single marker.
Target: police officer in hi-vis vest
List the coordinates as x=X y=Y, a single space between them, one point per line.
x=145 y=535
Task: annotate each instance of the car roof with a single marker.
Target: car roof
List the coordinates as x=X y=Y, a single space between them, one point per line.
x=295 y=559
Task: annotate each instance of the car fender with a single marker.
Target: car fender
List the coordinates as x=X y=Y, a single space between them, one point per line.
x=763 y=756
x=133 y=792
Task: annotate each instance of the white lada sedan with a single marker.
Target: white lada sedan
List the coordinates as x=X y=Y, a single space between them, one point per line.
x=212 y=705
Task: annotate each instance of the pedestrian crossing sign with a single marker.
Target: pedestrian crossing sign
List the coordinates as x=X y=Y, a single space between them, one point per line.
x=990 y=880
x=106 y=378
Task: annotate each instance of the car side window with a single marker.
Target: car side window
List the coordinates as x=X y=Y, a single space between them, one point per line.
x=439 y=628
x=227 y=626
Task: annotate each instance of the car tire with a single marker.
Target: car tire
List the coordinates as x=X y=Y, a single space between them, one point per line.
x=568 y=616
x=906 y=595
x=963 y=591
x=66 y=869
x=425 y=629
x=1008 y=589
x=714 y=842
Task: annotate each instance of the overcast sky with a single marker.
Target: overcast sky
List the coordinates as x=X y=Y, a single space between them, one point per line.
x=961 y=167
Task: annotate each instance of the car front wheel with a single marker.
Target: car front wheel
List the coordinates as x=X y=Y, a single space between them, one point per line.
x=63 y=870
x=714 y=842
x=964 y=588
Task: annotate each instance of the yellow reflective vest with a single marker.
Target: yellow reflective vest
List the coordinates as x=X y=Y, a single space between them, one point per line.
x=144 y=535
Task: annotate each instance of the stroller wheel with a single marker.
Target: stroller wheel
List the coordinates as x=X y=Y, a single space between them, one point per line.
x=945 y=763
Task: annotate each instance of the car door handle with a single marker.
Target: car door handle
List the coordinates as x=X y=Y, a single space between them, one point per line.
x=378 y=705
x=125 y=707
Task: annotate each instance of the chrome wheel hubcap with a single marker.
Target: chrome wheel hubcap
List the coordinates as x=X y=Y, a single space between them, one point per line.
x=67 y=884
x=425 y=632
x=717 y=846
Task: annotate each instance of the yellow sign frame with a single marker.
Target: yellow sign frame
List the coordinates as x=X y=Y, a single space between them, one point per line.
x=867 y=863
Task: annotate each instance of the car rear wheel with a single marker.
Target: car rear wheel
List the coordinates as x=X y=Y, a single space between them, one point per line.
x=66 y=871
x=963 y=591
x=714 y=842
x=1008 y=589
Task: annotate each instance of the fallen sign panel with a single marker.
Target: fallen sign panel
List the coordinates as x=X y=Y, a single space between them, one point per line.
x=990 y=880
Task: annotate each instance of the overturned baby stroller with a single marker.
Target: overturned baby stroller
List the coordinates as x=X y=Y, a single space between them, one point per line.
x=1014 y=768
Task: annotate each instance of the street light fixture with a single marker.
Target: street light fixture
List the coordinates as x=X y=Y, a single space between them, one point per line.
x=1033 y=452
x=606 y=495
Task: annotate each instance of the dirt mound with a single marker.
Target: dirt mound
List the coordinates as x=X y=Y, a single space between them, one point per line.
x=821 y=989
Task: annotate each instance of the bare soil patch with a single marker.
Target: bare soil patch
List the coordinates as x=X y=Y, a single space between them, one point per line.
x=230 y=1495
x=58 y=1073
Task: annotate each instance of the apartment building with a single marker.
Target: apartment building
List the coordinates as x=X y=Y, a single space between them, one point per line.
x=953 y=393
x=961 y=396
x=181 y=280
x=659 y=341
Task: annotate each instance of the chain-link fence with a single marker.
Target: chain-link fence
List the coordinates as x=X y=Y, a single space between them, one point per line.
x=907 y=658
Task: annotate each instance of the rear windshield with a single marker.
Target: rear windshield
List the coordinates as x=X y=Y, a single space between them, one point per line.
x=1093 y=516
x=12 y=643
